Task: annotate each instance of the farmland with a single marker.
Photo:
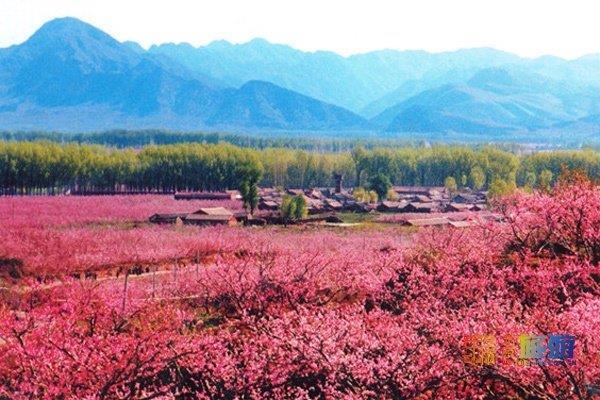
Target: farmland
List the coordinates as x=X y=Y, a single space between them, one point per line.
x=294 y=312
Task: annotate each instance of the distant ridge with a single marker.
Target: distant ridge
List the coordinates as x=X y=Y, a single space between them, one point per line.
x=71 y=76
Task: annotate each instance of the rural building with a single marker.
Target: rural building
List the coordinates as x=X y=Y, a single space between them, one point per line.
x=208 y=219
x=214 y=211
x=315 y=206
x=419 y=190
x=391 y=206
x=315 y=194
x=228 y=195
x=211 y=216
x=168 y=218
x=454 y=207
x=460 y=224
x=268 y=205
x=428 y=222
x=465 y=198
x=420 y=207
x=355 y=206
x=421 y=198
x=203 y=216
x=295 y=192
x=333 y=205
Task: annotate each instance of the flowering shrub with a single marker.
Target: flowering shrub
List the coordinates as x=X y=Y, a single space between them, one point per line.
x=53 y=236
x=314 y=313
x=45 y=211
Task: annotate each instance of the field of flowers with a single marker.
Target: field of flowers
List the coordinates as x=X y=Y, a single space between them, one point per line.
x=54 y=236
x=311 y=313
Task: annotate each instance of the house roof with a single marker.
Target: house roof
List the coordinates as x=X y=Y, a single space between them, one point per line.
x=204 y=217
x=460 y=224
x=333 y=203
x=422 y=198
x=213 y=211
x=428 y=222
x=173 y=215
x=391 y=204
x=429 y=206
x=418 y=189
x=467 y=197
x=269 y=203
x=461 y=206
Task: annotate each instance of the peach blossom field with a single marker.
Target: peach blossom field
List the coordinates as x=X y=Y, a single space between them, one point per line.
x=97 y=303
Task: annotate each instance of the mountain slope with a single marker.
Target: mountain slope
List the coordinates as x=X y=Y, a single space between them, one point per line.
x=493 y=99
x=351 y=82
x=260 y=104
x=69 y=63
x=70 y=75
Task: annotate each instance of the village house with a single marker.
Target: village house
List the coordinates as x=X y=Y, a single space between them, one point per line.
x=227 y=195
x=419 y=190
x=333 y=205
x=173 y=218
x=465 y=198
x=211 y=216
x=392 y=206
x=203 y=216
x=460 y=224
x=454 y=207
x=268 y=205
x=421 y=207
x=428 y=222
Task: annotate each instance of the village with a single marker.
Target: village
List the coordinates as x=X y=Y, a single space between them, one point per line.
x=406 y=205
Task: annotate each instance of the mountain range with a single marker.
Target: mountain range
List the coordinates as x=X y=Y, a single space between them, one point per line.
x=70 y=76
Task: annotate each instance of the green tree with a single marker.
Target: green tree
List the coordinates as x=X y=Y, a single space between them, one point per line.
x=250 y=174
x=365 y=196
x=530 y=180
x=360 y=194
x=545 y=180
x=450 y=184
x=373 y=198
x=293 y=208
x=359 y=158
x=477 y=178
x=499 y=188
x=381 y=185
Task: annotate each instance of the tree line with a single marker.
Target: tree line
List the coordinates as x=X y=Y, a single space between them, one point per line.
x=43 y=167
x=121 y=138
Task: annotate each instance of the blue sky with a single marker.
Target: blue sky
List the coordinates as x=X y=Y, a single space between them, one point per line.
x=527 y=27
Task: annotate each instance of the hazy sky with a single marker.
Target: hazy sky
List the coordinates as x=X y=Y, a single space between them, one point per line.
x=566 y=28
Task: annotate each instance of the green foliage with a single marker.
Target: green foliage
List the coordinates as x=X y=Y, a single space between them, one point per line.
x=545 y=180
x=250 y=172
x=373 y=197
x=391 y=195
x=294 y=208
x=500 y=188
x=50 y=167
x=365 y=196
x=359 y=157
x=450 y=184
x=361 y=194
x=476 y=178
x=586 y=161
x=381 y=185
x=530 y=180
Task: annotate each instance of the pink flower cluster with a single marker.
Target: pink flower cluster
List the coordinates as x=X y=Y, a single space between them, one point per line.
x=54 y=236
x=319 y=314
